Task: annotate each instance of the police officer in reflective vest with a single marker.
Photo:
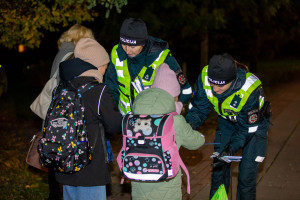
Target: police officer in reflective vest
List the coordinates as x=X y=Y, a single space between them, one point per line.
x=134 y=62
x=243 y=120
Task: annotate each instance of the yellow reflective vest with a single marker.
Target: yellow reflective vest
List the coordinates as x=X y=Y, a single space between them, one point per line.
x=124 y=80
x=234 y=103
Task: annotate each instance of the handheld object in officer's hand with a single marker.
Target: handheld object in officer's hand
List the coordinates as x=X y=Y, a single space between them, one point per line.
x=227 y=159
x=218 y=143
x=215 y=154
x=233 y=158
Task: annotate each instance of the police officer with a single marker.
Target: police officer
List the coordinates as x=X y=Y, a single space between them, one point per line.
x=134 y=60
x=243 y=120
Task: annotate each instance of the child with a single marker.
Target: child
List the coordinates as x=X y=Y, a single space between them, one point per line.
x=160 y=101
x=166 y=80
x=90 y=63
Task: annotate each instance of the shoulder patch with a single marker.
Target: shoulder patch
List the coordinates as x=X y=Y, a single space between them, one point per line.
x=252 y=116
x=181 y=79
x=148 y=74
x=235 y=102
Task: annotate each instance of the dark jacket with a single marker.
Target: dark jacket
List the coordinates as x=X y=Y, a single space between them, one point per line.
x=200 y=108
x=99 y=108
x=150 y=52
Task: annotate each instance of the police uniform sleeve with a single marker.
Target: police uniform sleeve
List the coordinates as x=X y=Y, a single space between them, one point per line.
x=185 y=87
x=111 y=81
x=112 y=119
x=247 y=123
x=200 y=107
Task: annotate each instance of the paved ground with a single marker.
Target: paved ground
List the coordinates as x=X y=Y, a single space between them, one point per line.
x=279 y=174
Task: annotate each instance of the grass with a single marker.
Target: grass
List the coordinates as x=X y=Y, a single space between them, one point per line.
x=17 y=179
x=18 y=124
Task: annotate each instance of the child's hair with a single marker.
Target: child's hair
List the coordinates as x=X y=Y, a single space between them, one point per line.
x=74 y=34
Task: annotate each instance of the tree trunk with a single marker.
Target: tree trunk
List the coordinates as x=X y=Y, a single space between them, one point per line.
x=255 y=50
x=204 y=51
x=184 y=68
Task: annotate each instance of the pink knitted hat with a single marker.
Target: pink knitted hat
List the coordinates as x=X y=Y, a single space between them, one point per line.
x=166 y=79
x=91 y=51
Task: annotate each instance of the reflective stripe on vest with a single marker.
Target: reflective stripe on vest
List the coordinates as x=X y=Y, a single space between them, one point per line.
x=233 y=104
x=124 y=79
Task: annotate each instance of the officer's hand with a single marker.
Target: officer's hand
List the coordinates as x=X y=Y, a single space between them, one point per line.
x=220 y=160
x=227 y=151
x=218 y=163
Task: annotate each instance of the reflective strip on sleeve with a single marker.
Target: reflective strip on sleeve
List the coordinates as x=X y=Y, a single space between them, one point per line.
x=252 y=129
x=187 y=91
x=261 y=101
x=259 y=159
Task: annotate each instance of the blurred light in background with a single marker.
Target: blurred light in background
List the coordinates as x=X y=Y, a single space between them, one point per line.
x=21 y=48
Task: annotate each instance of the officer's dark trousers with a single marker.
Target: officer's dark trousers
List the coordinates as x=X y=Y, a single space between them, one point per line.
x=248 y=167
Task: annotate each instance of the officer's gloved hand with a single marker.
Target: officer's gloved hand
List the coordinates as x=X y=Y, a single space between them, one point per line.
x=227 y=151
x=220 y=161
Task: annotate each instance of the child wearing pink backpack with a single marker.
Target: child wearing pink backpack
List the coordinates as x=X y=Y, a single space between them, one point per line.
x=153 y=103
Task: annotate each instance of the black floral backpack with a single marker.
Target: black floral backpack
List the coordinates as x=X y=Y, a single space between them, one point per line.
x=64 y=146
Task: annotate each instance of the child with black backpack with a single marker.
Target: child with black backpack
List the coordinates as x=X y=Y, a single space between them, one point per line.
x=79 y=128
x=148 y=156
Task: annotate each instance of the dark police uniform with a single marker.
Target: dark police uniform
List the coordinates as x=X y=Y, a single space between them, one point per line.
x=123 y=69
x=243 y=123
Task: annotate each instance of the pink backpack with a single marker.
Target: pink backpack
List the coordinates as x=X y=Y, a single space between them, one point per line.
x=149 y=151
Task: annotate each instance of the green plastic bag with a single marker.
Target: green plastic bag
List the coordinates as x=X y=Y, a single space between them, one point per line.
x=220 y=194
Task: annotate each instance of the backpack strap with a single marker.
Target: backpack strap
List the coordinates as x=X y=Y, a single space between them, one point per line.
x=67 y=56
x=100 y=100
x=87 y=87
x=124 y=123
x=102 y=132
x=101 y=127
x=173 y=113
x=182 y=165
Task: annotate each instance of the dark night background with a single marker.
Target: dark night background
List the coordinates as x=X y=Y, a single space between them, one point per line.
x=246 y=39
